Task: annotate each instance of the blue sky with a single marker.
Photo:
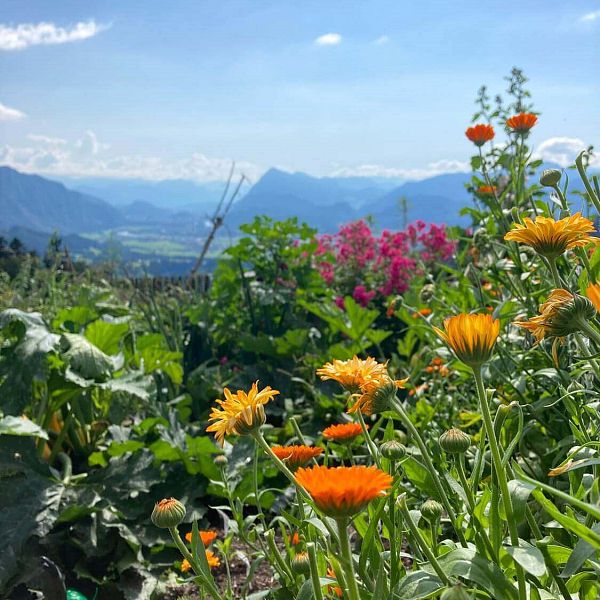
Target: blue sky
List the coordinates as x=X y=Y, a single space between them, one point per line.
x=156 y=89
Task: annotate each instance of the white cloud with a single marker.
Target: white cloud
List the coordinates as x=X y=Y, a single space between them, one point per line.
x=591 y=16
x=381 y=40
x=435 y=168
x=10 y=114
x=88 y=157
x=329 y=39
x=563 y=151
x=34 y=34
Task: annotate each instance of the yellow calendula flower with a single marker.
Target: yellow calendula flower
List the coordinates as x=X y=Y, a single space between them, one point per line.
x=552 y=238
x=560 y=315
x=353 y=373
x=471 y=337
x=239 y=413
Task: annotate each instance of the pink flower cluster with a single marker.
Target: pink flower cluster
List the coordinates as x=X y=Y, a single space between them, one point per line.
x=355 y=262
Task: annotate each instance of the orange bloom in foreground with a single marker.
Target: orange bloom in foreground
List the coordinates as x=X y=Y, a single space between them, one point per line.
x=480 y=134
x=294 y=539
x=212 y=560
x=343 y=432
x=207 y=537
x=471 y=336
x=593 y=293
x=341 y=492
x=522 y=122
x=296 y=456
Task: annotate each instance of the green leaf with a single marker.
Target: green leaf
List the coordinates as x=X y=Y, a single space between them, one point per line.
x=106 y=336
x=85 y=359
x=419 y=476
x=21 y=426
x=519 y=493
x=529 y=557
x=418 y=585
x=582 y=551
x=569 y=523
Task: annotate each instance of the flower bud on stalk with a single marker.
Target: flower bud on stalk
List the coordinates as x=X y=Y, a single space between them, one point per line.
x=431 y=510
x=221 y=460
x=550 y=177
x=455 y=441
x=392 y=450
x=301 y=563
x=168 y=513
x=456 y=593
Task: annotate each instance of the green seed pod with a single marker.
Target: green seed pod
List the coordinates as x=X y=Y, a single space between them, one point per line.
x=455 y=441
x=381 y=397
x=168 y=513
x=301 y=563
x=456 y=593
x=392 y=450
x=550 y=177
x=431 y=510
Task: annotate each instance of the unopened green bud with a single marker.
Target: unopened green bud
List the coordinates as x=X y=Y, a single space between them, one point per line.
x=427 y=292
x=301 y=563
x=250 y=419
x=550 y=177
x=431 y=510
x=392 y=450
x=455 y=441
x=456 y=592
x=220 y=460
x=168 y=513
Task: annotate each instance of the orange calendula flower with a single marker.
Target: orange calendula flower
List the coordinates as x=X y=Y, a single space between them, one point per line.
x=296 y=456
x=333 y=589
x=472 y=337
x=423 y=312
x=240 y=413
x=593 y=293
x=207 y=537
x=344 y=432
x=212 y=560
x=480 y=134
x=486 y=190
x=522 y=122
x=562 y=314
x=552 y=238
x=294 y=539
x=341 y=492
x=353 y=373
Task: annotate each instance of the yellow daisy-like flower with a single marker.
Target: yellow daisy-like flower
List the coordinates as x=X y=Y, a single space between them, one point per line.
x=472 y=337
x=376 y=394
x=560 y=315
x=552 y=238
x=352 y=374
x=239 y=413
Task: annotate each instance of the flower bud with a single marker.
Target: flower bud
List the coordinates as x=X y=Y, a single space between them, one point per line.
x=456 y=593
x=168 y=513
x=250 y=419
x=550 y=177
x=382 y=397
x=431 y=510
x=301 y=563
x=392 y=450
x=220 y=460
x=455 y=441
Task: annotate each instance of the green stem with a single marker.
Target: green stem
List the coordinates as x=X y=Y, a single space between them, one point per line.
x=500 y=475
x=586 y=181
x=347 y=560
x=393 y=546
x=560 y=582
x=554 y=272
x=460 y=467
x=314 y=571
x=430 y=468
x=589 y=331
x=423 y=545
x=370 y=444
